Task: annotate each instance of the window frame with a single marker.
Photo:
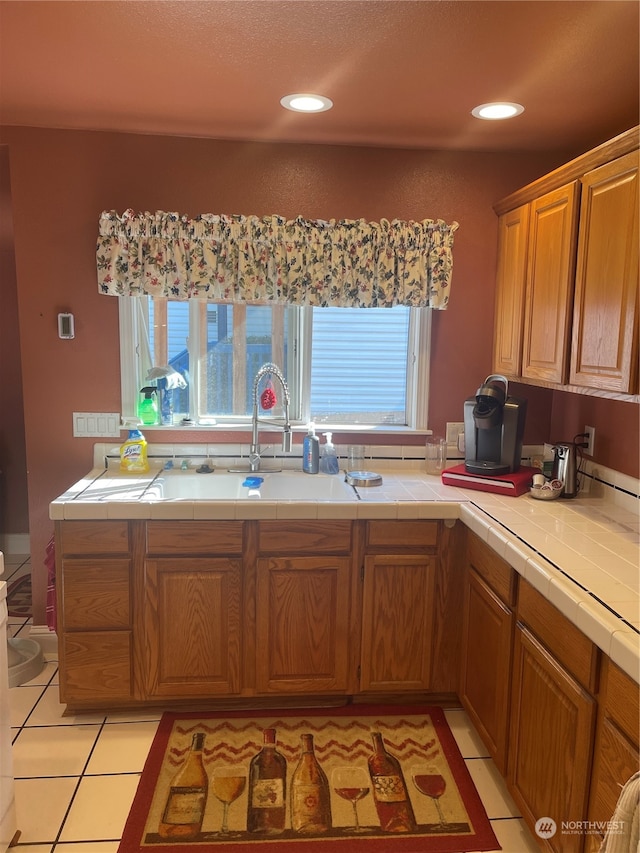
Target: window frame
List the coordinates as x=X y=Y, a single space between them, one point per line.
x=298 y=369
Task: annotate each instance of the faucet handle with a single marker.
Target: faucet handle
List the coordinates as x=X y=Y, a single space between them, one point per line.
x=254 y=459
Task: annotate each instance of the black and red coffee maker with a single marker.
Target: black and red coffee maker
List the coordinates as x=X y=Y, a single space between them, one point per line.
x=493 y=429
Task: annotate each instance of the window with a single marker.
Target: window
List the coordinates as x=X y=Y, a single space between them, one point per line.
x=344 y=366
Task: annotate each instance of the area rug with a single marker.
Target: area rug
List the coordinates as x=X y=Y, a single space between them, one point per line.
x=19 y=598
x=354 y=779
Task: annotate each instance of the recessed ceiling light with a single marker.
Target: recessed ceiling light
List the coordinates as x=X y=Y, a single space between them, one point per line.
x=497 y=111
x=306 y=103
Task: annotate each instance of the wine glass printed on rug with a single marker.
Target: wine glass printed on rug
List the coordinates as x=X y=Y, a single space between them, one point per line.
x=299 y=777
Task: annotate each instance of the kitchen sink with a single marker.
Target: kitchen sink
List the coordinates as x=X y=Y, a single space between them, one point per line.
x=281 y=486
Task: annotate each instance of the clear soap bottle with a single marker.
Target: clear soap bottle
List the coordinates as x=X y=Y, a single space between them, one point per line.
x=328 y=456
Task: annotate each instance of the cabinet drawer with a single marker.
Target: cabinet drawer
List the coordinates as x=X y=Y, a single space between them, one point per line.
x=316 y=537
x=402 y=534
x=94 y=537
x=96 y=665
x=495 y=571
x=95 y=594
x=194 y=537
x=567 y=643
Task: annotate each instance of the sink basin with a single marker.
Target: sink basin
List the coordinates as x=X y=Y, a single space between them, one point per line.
x=283 y=486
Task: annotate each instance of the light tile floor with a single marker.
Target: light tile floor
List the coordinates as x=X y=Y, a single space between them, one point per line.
x=76 y=776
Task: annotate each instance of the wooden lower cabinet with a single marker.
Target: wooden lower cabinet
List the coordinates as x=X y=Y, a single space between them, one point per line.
x=95 y=612
x=192 y=626
x=485 y=681
x=615 y=757
x=96 y=666
x=302 y=624
x=397 y=622
x=155 y=612
x=488 y=622
x=552 y=726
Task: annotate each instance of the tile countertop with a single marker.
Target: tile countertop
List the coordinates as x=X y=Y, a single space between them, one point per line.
x=583 y=555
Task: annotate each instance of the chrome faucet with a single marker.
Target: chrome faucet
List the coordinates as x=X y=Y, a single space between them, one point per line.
x=268 y=369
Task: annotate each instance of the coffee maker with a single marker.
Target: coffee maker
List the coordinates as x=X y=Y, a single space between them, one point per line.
x=493 y=429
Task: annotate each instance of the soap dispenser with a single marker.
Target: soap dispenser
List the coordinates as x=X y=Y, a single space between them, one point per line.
x=147 y=407
x=310 y=451
x=328 y=456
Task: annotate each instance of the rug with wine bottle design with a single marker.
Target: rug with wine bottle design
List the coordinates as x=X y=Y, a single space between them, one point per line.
x=354 y=779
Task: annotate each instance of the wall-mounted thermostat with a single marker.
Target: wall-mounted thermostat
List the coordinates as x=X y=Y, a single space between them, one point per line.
x=66 y=326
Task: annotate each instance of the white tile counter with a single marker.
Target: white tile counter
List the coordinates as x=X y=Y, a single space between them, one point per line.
x=582 y=554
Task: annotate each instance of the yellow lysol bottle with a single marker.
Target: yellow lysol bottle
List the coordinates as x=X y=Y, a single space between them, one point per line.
x=133 y=453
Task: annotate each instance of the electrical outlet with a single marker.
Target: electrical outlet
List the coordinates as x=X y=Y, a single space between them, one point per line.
x=590 y=434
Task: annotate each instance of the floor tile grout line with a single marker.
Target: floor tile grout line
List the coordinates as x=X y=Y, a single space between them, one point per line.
x=26 y=719
x=75 y=791
x=24 y=725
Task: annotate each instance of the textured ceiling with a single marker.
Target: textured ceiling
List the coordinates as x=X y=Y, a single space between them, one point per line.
x=400 y=73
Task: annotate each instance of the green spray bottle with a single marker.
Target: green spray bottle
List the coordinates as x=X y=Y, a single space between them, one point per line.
x=147 y=407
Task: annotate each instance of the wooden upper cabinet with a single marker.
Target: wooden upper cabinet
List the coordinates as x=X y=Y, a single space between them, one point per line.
x=550 y=282
x=605 y=319
x=513 y=233
x=567 y=276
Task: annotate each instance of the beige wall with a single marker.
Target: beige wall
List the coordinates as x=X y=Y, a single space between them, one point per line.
x=62 y=180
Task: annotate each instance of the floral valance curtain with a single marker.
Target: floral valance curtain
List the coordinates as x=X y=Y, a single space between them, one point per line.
x=346 y=263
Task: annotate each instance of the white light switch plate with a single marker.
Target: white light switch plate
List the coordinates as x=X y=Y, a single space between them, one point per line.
x=96 y=424
x=453 y=431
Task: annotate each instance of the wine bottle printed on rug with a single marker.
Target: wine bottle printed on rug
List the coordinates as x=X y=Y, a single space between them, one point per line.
x=239 y=780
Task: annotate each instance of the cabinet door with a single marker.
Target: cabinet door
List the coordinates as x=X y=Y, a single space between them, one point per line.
x=487 y=640
x=605 y=321
x=513 y=232
x=302 y=624
x=193 y=626
x=550 y=283
x=552 y=723
x=397 y=619
x=615 y=757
